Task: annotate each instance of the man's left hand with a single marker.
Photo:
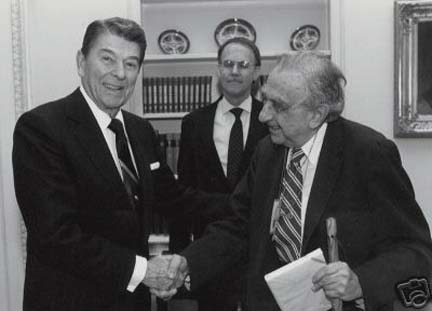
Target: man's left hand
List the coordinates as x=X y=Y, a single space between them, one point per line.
x=338 y=281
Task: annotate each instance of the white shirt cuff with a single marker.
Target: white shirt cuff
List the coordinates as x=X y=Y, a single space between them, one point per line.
x=138 y=274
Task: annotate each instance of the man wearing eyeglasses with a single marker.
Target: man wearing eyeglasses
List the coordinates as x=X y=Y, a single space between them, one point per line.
x=217 y=143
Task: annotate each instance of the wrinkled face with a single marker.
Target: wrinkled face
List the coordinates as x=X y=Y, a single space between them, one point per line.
x=237 y=70
x=109 y=71
x=291 y=123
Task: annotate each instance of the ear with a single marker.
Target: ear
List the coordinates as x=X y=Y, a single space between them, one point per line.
x=319 y=115
x=80 y=61
x=256 y=74
x=218 y=71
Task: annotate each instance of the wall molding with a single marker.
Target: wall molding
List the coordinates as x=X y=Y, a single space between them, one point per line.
x=19 y=55
x=20 y=78
x=337 y=32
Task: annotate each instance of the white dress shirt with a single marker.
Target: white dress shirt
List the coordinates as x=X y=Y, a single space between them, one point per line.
x=103 y=120
x=223 y=123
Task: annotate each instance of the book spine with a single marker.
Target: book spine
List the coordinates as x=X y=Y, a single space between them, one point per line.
x=209 y=90
x=145 y=96
x=153 y=95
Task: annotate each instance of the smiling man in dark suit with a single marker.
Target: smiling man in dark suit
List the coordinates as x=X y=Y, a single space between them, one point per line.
x=314 y=165
x=216 y=146
x=87 y=174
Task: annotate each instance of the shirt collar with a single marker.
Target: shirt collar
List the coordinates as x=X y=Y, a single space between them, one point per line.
x=102 y=118
x=312 y=147
x=246 y=105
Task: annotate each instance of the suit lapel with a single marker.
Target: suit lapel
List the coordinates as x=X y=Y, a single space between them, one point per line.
x=269 y=186
x=90 y=137
x=328 y=169
x=138 y=148
x=254 y=126
x=274 y=170
x=254 y=134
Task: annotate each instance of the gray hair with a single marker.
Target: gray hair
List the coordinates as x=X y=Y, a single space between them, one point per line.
x=324 y=80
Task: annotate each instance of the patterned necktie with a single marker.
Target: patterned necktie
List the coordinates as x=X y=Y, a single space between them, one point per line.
x=235 y=147
x=130 y=177
x=287 y=234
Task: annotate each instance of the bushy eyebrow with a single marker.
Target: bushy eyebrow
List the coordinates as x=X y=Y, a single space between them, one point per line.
x=277 y=100
x=111 y=52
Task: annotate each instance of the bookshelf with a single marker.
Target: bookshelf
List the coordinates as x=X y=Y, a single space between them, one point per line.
x=274 y=22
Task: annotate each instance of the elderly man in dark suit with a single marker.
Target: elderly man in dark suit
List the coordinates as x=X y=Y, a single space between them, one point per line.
x=314 y=165
x=210 y=138
x=87 y=174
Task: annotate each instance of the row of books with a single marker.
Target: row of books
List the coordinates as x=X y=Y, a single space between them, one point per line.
x=176 y=94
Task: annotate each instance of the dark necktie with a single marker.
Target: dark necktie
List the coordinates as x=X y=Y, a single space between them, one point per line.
x=130 y=177
x=287 y=234
x=235 y=147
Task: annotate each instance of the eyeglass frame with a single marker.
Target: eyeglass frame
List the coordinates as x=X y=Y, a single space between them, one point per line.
x=284 y=107
x=241 y=65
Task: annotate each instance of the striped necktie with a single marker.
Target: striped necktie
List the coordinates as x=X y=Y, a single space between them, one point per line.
x=287 y=234
x=130 y=177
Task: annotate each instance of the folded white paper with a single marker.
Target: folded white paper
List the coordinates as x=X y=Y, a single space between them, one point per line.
x=291 y=284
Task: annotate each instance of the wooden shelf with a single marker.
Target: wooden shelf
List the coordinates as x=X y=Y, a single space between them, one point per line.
x=158 y=243
x=158 y=58
x=158 y=239
x=165 y=115
x=217 y=2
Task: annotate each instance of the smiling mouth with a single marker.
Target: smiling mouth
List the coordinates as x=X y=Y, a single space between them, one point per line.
x=113 y=87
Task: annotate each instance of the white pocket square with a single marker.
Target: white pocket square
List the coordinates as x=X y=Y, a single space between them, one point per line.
x=154 y=166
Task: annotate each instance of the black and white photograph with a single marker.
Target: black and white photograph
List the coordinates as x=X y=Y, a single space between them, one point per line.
x=216 y=155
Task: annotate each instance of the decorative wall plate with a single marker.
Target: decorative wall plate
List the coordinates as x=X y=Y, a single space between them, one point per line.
x=172 y=41
x=234 y=27
x=305 y=38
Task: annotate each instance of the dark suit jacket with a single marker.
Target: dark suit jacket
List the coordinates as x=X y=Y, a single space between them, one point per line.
x=360 y=181
x=199 y=167
x=83 y=232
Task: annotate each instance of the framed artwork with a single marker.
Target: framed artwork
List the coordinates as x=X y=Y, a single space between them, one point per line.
x=413 y=68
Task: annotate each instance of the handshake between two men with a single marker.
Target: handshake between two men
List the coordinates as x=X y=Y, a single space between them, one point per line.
x=165 y=274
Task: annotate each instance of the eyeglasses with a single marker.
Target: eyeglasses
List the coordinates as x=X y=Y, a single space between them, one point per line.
x=242 y=65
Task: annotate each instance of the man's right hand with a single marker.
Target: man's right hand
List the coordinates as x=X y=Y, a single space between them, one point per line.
x=165 y=274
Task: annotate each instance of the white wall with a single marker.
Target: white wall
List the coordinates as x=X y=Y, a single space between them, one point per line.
x=11 y=264
x=55 y=35
x=369 y=61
